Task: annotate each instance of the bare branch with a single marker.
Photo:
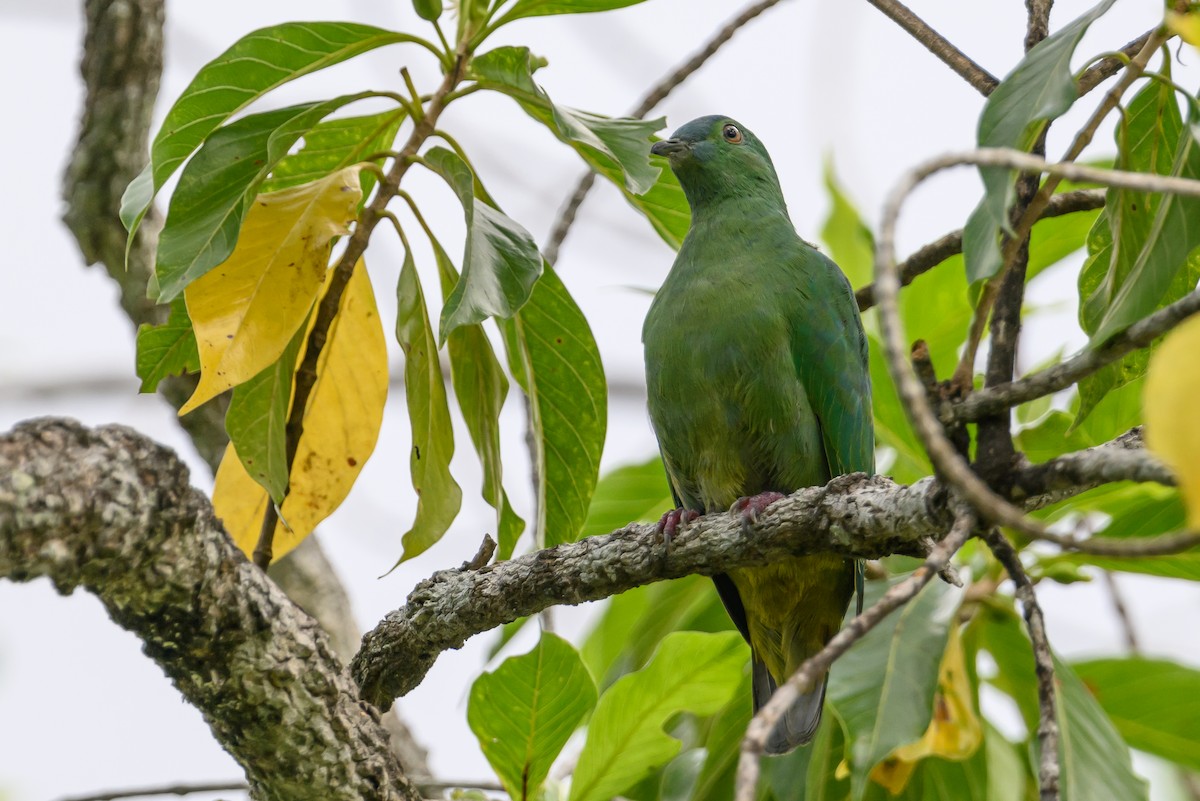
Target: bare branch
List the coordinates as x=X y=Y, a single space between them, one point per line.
x=111 y=511
x=982 y=80
x=1141 y=334
x=166 y=789
x=657 y=94
x=1105 y=68
x=806 y=676
x=1043 y=659
x=936 y=252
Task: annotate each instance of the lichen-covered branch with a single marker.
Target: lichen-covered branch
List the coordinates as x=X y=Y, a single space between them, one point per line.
x=112 y=512
x=854 y=515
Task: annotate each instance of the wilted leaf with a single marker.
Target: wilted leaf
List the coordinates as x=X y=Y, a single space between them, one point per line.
x=691 y=672
x=245 y=311
x=501 y=263
x=1172 y=427
x=341 y=426
x=438 y=495
x=1040 y=88
x=257 y=63
x=219 y=185
x=885 y=685
x=954 y=731
x=167 y=349
x=524 y=712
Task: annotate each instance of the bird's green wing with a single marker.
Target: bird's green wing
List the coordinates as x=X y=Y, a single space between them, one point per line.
x=829 y=349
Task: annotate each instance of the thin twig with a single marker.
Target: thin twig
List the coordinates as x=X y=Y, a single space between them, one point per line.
x=948 y=462
x=1047 y=731
x=166 y=789
x=1122 y=611
x=657 y=93
x=983 y=81
x=1062 y=375
x=1162 y=545
x=331 y=301
x=1105 y=68
x=936 y=252
x=806 y=676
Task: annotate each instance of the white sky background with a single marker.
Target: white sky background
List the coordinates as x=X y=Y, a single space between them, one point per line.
x=80 y=708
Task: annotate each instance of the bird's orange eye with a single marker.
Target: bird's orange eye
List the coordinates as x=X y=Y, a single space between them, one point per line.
x=732 y=135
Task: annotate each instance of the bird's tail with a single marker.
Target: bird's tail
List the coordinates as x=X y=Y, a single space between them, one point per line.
x=799 y=724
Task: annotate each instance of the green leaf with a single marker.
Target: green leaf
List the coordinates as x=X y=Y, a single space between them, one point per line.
x=1154 y=703
x=257 y=420
x=501 y=263
x=331 y=145
x=1040 y=88
x=1055 y=238
x=851 y=243
x=636 y=493
x=1094 y=760
x=438 y=495
x=524 y=712
x=691 y=672
x=257 y=63
x=636 y=621
x=554 y=358
x=218 y=185
x=1059 y=432
x=1155 y=235
x=541 y=8
x=167 y=349
x=715 y=781
x=617 y=148
x=1155 y=261
x=664 y=205
x=883 y=689
x=480 y=387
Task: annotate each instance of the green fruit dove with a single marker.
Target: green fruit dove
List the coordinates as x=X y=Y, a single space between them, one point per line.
x=756 y=369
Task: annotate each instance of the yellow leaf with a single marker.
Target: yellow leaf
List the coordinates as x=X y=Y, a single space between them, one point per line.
x=1169 y=402
x=341 y=426
x=246 y=309
x=1186 y=26
x=954 y=731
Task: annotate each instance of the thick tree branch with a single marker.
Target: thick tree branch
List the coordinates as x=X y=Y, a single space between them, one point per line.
x=852 y=515
x=121 y=65
x=112 y=512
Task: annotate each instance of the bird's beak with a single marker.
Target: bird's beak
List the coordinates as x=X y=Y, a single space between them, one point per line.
x=668 y=147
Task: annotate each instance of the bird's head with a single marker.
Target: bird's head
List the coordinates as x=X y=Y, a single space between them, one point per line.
x=717 y=158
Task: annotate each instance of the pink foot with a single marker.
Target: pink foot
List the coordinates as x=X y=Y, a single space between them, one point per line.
x=672 y=520
x=753 y=506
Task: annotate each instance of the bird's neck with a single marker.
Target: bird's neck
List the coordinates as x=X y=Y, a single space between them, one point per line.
x=733 y=213
x=734 y=201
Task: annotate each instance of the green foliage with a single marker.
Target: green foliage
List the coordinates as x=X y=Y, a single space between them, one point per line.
x=524 y=712
x=501 y=262
x=167 y=349
x=1040 y=89
x=438 y=494
x=690 y=672
x=883 y=712
x=555 y=360
x=1154 y=704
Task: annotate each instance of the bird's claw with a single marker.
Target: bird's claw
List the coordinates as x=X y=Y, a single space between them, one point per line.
x=750 y=507
x=670 y=522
